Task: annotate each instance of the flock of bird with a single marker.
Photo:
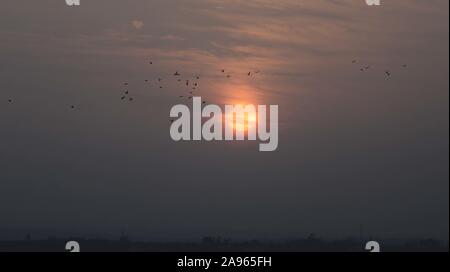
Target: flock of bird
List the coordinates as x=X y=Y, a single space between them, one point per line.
x=192 y=84
x=388 y=73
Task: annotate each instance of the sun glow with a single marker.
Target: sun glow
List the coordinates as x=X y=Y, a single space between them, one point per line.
x=249 y=121
x=238 y=123
x=240 y=95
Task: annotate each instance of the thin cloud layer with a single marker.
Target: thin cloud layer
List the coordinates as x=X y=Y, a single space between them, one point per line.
x=355 y=146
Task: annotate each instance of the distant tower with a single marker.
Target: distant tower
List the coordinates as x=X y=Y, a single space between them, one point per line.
x=361 y=233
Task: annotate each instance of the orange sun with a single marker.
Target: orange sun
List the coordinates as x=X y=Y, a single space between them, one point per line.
x=242 y=124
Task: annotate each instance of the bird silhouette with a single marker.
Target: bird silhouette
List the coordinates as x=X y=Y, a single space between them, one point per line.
x=176 y=73
x=249 y=73
x=388 y=73
x=122 y=98
x=10 y=100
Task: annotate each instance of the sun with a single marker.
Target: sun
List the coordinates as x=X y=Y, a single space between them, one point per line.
x=242 y=125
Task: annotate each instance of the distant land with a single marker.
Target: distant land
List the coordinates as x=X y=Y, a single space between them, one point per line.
x=219 y=244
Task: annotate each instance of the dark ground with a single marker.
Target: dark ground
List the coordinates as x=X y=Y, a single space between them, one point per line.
x=218 y=244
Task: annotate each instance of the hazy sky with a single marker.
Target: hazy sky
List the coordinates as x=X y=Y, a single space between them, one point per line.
x=356 y=148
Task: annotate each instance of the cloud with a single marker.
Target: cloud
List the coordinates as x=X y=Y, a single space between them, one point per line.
x=172 y=38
